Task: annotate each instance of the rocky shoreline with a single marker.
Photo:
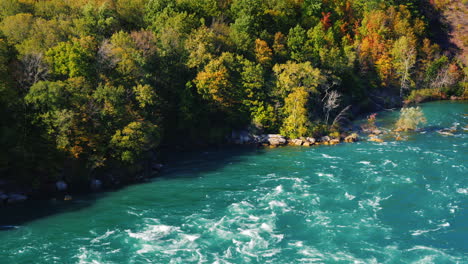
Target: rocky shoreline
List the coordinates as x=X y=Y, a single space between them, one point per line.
x=276 y=140
x=12 y=194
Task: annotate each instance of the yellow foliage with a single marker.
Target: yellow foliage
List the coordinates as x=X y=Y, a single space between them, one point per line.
x=263 y=53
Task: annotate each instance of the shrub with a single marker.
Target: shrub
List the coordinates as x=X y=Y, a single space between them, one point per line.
x=410 y=118
x=422 y=95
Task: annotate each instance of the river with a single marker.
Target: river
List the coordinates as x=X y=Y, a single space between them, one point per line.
x=392 y=202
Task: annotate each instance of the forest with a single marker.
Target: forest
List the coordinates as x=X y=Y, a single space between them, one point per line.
x=89 y=87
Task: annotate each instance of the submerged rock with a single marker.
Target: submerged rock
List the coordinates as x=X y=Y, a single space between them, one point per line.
x=376 y=139
x=16 y=198
x=445 y=133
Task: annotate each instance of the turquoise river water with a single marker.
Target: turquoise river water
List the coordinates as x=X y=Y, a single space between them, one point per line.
x=392 y=202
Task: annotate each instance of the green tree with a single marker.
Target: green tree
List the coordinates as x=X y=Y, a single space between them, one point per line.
x=135 y=139
x=296 y=124
x=291 y=75
x=410 y=118
x=73 y=58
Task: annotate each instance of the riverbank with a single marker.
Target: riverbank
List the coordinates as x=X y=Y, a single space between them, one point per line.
x=12 y=193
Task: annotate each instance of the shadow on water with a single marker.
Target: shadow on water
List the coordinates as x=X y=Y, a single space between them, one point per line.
x=194 y=164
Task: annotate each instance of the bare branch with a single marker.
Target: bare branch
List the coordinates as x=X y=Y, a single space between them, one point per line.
x=342 y=115
x=332 y=101
x=33 y=70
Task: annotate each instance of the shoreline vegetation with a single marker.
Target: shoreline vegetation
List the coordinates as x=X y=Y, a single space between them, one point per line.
x=93 y=92
x=410 y=118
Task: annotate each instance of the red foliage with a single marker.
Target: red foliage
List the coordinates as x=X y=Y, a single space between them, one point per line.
x=326 y=22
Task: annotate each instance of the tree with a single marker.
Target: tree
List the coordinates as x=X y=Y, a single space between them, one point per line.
x=135 y=139
x=219 y=81
x=410 y=118
x=292 y=75
x=17 y=28
x=74 y=58
x=263 y=53
x=279 y=46
x=331 y=101
x=201 y=45
x=297 y=44
x=404 y=55
x=132 y=11
x=296 y=123
x=32 y=70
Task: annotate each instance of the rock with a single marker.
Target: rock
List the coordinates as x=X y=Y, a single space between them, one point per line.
x=352 y=138
x=61 y=186
x=376 y=131
x=3 y=197
x=16 y=198
x=311 y=140
x=334 y=141
x=276 y=140
x=376 y=139
x=260 y=139
x=241 y=137
x=445 y=133
x=297 y=142
x=306 y=144
x=325 y=139
x=157 y=166
x=67 y=198
x=96 y=184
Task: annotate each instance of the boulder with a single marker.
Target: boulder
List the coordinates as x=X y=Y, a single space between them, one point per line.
x=3 y=197
x=334 y=141
x=61 y=186
x=96 y=184
x=306 y=144
x=241 y=137
x=297 y=142
x=276 y=140
x=325 y=139
x=157 y=166
x=16 y=198
x=311 y=140
x=376 y=131
x=352 y=138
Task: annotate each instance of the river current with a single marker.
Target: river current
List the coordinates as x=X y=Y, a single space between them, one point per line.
x=366 y=202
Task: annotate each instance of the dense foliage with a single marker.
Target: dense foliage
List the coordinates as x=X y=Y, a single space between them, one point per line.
x=89 y=85
x=410 y=118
